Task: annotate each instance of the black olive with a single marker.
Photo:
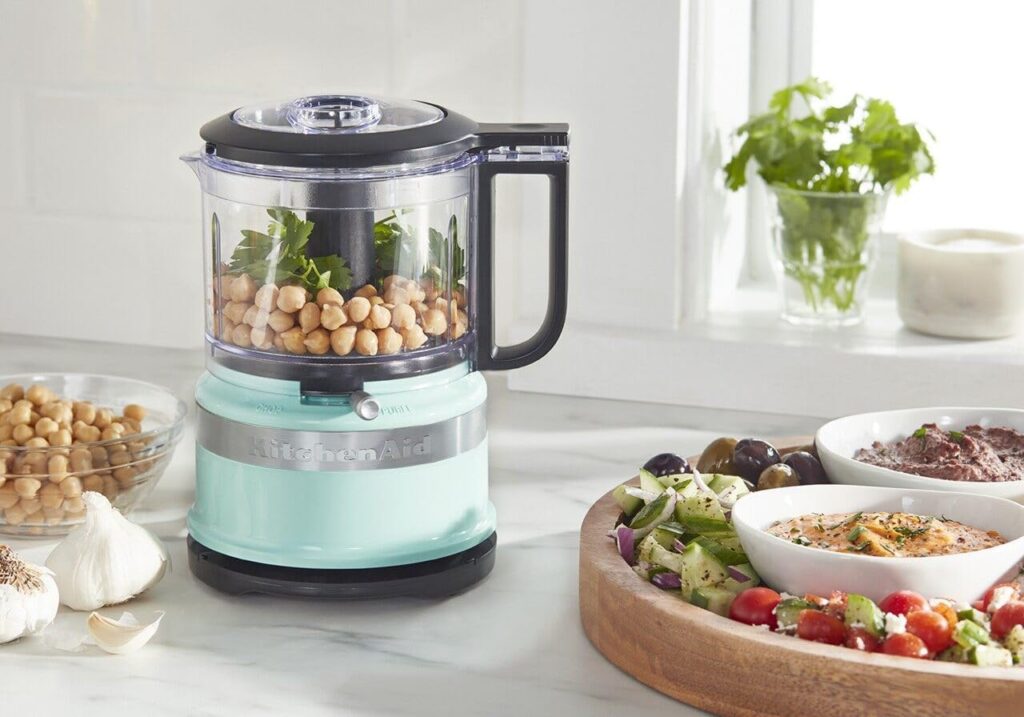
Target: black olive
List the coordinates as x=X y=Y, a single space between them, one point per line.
x=667 y=464
x=751 y=457
x=807 y=467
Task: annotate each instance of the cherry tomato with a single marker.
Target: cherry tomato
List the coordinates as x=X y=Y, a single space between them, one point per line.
x=902 y=602
x=933 y=629
x=755 y=606
x=820 y=627
x=1008 y=615
x=905 y=645
x=991 y=591
x=860 y=639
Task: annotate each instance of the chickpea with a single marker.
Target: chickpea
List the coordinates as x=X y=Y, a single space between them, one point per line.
x=99 y=457
x=280 y=321
x=255 y=317
x=124 y=475
x=366 y=342
x=104 y=417
x=262 y=338
x=235 y=311
x=39 y=394
x=131 y=426
x=84 y=411
x=51 y=496
x=343 y=339
x=415 y=292
x=317 y=341
x=8 y=442
x=396 y=295
x=460 y=297
x=358 y=308
x=6 y=404
x=242 y=336
x=91 y=482
x=291 y=298
x=309 y=317
x=71 y=487
x=332 y=316
x=57 y=467
x=60 y=438
x=227 y=326
x=31 y=506
x=12 y=392
x=376 y=301
x=6 y=431
x=294 y=341
x=46 y=426
x=119 y=457
x=441 y=304
x=135 y=412
x=366 y=291
x=458 y=330
x=19 y=415
x=379 y=318
x=392 y=280
x=23 y=402
x=389 y=341
x=8 y=497
x=413 y=337
x=434 y=322
x=22 y=433
x=80 y=461
x=74 y=504
x=56 y=412
x=15 y=515
x=278 y=343
x=243 y=288
x=27 y=487
x=266 y=297
x=89 y=433
x=111 y=487
x=53 y=516
x=403 y=316
x=327 y=296
x=222 y=286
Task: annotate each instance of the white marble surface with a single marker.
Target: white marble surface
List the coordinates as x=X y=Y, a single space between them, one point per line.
x=511 y=646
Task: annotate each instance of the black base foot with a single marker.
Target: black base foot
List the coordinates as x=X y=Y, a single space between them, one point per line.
x=431 y=579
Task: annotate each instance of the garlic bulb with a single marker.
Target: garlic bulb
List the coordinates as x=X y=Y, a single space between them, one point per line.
x=107 y=559
x=28 y=597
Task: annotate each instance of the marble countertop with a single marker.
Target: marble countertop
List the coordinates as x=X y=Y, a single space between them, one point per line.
x=513 y=645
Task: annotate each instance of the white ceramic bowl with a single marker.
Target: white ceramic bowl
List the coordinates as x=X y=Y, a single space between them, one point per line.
x=798 y=569
x=837 y=442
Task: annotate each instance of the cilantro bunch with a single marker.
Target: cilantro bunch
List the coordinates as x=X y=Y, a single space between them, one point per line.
x=856 y=152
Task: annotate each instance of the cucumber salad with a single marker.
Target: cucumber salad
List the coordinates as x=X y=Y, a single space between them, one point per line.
x=675 y=531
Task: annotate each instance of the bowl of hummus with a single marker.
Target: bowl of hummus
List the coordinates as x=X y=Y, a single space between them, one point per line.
x=875 y=541
x=969 y=450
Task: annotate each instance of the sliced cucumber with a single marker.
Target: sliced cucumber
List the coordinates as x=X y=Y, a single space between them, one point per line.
x=728 y=488
x=1014 y=642
x=730 y=541
x=953 y=654
x=717 y=529
x=699 y=569
x=676 y=481
x=989 y=656
x=650 y=483
x=703 y=505
x=627 y=503
x=734 y=585
x=666 y=558
x=666 y=538
x=969 y=634
x=788 y=610
x=860 y=609
x=726 y=556
x=645 y=548
x=717 y=600
x=654 y=513
x=966 y=612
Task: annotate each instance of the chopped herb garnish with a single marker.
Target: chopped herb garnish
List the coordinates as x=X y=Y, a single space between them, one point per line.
x=920 y=432
x=860 y=548
x=856 y=533
x=956 y=436
x=801 y=540
x=852 y=519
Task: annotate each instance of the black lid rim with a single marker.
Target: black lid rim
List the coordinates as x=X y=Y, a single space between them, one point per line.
x=229 y=140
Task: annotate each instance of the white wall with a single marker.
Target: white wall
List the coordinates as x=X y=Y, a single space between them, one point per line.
x=98 y=98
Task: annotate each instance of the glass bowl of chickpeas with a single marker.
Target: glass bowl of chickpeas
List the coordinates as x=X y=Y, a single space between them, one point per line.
x=64 y=434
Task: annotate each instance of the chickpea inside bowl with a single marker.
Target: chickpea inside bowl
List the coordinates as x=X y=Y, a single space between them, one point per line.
x=64 y=434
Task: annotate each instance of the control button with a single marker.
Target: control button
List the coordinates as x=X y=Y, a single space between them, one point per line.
x=364 y=405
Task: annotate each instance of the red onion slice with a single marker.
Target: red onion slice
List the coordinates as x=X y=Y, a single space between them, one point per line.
x=667 y=581
x=625 y=541
x=737 y=575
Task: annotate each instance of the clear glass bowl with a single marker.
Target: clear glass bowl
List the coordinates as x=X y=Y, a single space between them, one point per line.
x=41 y=486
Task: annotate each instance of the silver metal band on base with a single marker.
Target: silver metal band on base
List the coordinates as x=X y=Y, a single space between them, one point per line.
x=329 y=451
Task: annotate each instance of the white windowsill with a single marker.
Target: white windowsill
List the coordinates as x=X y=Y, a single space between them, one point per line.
x=748 y=359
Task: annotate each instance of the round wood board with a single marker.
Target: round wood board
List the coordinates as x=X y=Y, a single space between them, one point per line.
x=728 y=668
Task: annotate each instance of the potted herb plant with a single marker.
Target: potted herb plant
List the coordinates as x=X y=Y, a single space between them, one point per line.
x=829 y=173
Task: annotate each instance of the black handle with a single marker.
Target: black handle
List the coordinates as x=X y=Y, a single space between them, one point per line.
x=490 y=356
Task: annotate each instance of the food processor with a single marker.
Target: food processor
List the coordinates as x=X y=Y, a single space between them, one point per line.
x=349 y=270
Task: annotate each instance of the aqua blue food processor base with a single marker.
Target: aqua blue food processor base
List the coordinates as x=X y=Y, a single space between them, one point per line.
x=310 y=499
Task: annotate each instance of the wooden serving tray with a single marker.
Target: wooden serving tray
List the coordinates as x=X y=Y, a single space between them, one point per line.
x=728 y=668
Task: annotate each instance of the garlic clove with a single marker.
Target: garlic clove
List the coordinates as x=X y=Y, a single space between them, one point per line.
x=28 y=597
x=124 y=635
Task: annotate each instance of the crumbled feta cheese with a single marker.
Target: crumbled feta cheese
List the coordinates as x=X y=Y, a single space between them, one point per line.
x=786 y=596
x=857 y=623
x=1000 y=596
x=895 y=624
x=763 y=627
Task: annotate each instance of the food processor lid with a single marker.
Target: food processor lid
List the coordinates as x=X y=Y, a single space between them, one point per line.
x=338 y=131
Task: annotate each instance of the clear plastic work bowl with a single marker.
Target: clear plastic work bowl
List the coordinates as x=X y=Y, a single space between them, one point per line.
x=41 y=485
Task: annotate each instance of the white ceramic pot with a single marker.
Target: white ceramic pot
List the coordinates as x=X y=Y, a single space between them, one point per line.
x=962 y=283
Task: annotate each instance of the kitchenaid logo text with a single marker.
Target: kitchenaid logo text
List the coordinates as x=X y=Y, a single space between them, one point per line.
x=389 y=450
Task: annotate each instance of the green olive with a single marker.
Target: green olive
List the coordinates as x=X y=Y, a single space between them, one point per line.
x=777 y=476
x=717 y=457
